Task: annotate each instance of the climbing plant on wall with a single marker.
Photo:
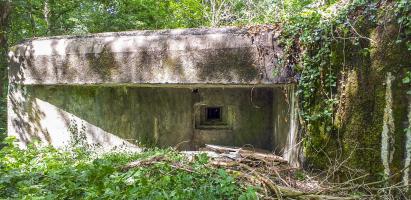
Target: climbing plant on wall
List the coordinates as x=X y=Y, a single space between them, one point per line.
x=345 y=52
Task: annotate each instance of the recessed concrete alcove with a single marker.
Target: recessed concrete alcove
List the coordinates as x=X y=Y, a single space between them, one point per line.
x=182 y=88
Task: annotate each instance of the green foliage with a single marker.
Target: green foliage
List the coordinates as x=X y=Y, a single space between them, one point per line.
x=49 y=173
x=35 y=18
x=317 y=34
x=308 y=33
x=407 y=80
x=299 y=174
x=403 y=10
x=3 y=117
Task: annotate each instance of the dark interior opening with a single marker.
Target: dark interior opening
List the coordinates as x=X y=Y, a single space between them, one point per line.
x=213 y=113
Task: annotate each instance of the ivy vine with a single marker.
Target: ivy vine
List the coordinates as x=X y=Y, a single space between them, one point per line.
x=313 y=35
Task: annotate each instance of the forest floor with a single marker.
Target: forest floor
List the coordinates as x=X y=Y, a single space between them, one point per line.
x=213 y=172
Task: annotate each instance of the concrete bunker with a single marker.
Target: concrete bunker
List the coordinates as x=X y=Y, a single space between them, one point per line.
x=180 y=88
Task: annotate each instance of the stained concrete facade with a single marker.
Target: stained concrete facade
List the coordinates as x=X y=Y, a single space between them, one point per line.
x=154 y=88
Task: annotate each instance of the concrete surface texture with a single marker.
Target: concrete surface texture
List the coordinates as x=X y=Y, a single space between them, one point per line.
x=225 y=55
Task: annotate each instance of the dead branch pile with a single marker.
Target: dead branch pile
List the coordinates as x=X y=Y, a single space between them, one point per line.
x=262 y=169
x=265 y=170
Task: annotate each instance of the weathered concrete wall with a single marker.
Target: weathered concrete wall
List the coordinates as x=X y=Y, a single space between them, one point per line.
x=286 y=139
x=224 y=55
x=148 y=88
x=251 y=116
x=371 y=114
x=161 y=116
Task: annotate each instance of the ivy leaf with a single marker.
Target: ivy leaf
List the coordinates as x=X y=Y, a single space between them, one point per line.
x=406 y=80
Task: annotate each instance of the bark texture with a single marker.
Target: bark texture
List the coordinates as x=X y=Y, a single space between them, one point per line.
x=5 y=8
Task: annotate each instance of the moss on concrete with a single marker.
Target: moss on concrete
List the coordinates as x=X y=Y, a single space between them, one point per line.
x=361 y=70
x=104 y=64
x=161 y=116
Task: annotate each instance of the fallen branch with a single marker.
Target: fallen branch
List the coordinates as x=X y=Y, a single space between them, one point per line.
x=145 y=162
x=265 y=170
x=279 y=191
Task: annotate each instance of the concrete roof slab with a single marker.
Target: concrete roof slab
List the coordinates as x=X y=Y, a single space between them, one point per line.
x=188 y=56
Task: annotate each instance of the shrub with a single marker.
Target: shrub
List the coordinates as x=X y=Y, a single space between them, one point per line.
x=50 y=173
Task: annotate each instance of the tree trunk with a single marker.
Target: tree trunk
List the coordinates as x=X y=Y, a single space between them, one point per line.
x=4 y=18
x=46 y=13
x=32 y=22
x=50 y=16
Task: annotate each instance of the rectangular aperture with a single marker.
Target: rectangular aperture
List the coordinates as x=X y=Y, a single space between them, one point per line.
x=212 y=117
x=214 y=113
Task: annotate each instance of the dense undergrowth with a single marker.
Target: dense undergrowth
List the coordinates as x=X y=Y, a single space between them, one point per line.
x=49 y=173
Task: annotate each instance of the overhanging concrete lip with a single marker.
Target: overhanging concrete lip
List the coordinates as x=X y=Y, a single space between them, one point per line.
x=128 y=41
x=167 y=32
x=227 y=55
x=173 y=85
